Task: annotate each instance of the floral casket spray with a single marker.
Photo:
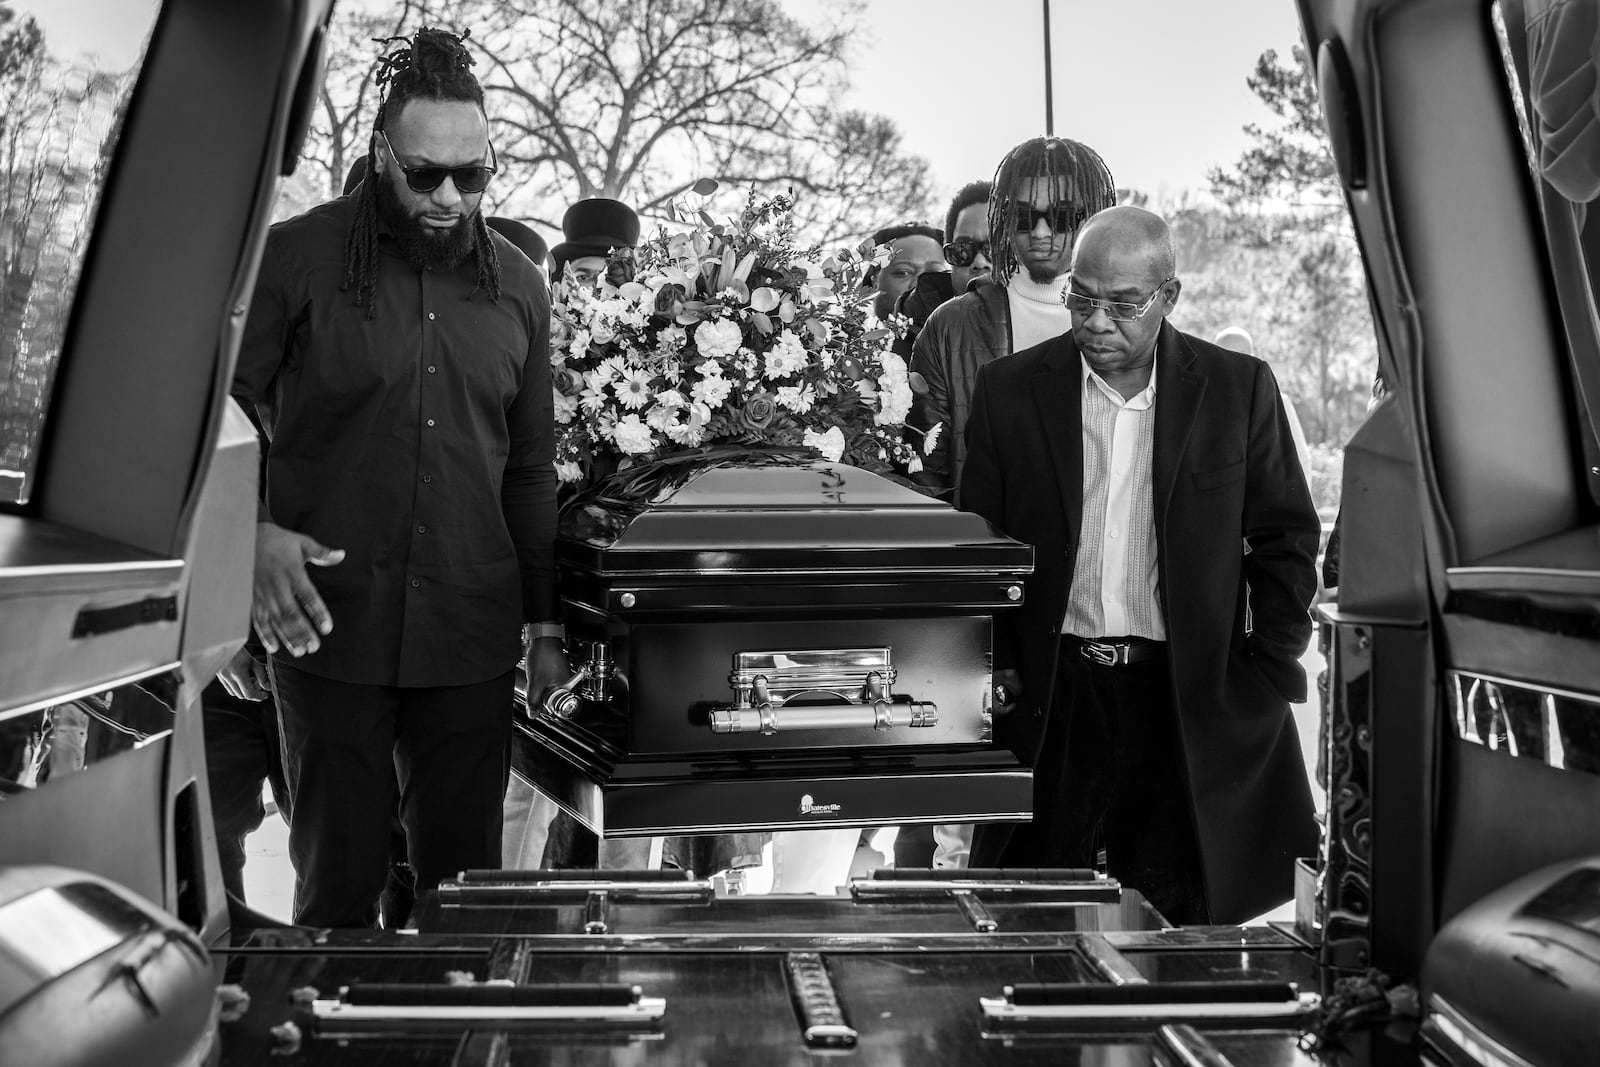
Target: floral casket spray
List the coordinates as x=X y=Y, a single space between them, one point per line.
x=770 y=627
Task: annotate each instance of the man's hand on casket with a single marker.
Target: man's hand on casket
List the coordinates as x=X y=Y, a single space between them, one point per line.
x=1007 y=689
x=546 y=666
x=285 y=608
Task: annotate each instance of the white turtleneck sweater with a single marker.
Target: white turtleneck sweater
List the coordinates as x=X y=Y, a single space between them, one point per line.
x=1037 y=313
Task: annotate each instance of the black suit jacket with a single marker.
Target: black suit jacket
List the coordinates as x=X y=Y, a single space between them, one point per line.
x=1225 y=476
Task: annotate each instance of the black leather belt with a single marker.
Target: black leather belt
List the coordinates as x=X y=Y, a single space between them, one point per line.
x=1120 y=651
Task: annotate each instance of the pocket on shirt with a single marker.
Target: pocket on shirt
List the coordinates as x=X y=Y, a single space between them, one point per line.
x=1218 y=477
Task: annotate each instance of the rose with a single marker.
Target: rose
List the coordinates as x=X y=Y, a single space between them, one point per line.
x=669 y=300
x=619 y=267
x=758 y=412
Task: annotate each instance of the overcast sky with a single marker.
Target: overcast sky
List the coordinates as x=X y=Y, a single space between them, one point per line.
x=1157 y=87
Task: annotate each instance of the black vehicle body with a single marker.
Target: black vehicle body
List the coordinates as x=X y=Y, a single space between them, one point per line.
x=1462 y=704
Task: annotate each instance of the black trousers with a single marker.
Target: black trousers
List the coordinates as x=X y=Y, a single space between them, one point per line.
x=242 y=751
x=1111 y=775
x=347 y=746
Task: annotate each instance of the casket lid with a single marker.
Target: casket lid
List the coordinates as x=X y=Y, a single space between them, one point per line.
x=740 y=517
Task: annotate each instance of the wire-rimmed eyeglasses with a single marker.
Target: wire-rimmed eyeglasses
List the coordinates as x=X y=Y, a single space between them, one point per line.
x=1116 y=310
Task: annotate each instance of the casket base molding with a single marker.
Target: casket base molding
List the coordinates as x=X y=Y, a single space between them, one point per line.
x=618 y=796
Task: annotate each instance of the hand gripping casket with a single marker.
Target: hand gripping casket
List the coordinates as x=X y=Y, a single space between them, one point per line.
x=776 y=646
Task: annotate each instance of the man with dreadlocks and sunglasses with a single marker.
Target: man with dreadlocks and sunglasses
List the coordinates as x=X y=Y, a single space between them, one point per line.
x=396 y=354
x=1043 y=190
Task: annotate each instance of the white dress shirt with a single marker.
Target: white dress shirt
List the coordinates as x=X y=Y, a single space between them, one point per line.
x=1116 y=573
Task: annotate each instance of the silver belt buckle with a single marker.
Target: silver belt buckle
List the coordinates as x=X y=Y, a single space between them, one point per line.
x=1095 y=652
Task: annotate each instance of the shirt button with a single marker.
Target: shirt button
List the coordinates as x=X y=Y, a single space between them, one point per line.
x=422 y=529
x=1112 y=534
x=431 y=316
x=427 y=477
x=430 y=422
x=430 y=370
x=415 y=584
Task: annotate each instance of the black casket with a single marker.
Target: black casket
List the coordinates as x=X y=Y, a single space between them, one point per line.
x=776 y=646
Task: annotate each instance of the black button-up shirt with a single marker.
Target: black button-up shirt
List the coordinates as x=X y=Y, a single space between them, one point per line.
x=420 y=441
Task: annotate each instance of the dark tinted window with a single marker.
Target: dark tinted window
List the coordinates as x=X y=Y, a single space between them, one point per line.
x=67 y=69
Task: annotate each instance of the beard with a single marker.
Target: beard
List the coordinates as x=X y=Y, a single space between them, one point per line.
x=423 y=246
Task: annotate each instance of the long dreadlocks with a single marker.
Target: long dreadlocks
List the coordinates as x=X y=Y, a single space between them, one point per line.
x=433 y=64
x=1075 y=170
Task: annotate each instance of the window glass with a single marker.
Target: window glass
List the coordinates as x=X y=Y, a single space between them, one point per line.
x=67 y=70
x=1548 y=50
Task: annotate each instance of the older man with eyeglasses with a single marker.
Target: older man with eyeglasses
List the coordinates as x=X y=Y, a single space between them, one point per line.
x=1148 y=677
x=1042 y=190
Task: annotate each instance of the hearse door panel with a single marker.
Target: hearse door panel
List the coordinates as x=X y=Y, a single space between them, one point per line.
x=127 y=476
x=1467 y=633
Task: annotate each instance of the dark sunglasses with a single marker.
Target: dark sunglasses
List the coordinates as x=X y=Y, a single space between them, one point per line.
x=1064 y=217
x=471 y=179
x=963 y=250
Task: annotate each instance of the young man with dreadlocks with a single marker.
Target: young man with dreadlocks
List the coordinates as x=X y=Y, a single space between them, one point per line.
x=1043 y=190
x=397 y=356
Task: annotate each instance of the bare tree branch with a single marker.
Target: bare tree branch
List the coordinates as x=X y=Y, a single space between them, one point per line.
x=639 y=100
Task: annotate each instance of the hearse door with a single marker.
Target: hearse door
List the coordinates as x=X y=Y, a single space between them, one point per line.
x=1465 y=703
x=142 y=144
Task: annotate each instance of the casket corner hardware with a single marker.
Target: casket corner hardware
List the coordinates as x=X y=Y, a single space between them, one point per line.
x=590 y=682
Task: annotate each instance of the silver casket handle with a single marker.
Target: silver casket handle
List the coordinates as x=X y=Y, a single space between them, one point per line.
x=769 y=718
x=591 y=681
x=768 y=686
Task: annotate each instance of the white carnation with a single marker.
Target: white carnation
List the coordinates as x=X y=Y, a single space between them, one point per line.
x=718 y=338
x=632 y=436
x=566 y=407
x=830 y=444
x=894 y=369
x=894 y=401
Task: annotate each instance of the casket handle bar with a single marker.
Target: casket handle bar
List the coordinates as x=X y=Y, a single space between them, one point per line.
x=591 y=681
x=765 y=683
x=769 y=719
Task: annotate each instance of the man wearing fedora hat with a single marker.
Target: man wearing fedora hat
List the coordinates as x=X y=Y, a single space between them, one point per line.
x=596 y=230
